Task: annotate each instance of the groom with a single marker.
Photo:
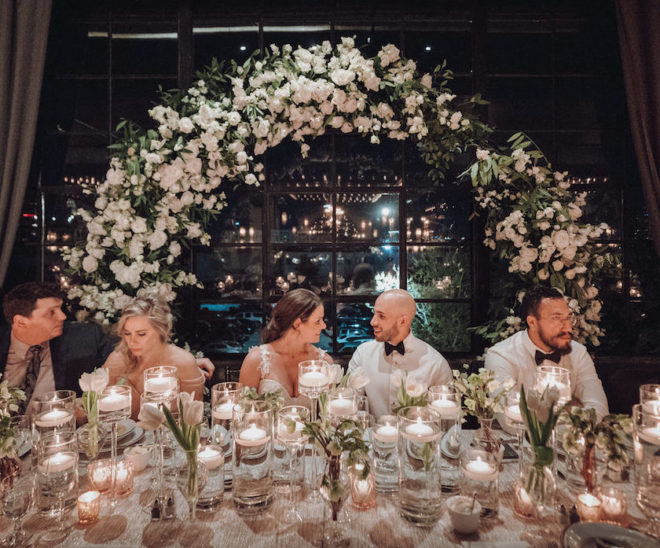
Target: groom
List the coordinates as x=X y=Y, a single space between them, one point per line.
x=396 y=350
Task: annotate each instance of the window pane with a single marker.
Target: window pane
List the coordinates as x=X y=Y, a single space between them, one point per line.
x=604 y=206
x=520 y=53
x=285 y=167
x=429 y=49
x=368 y=271
x=236 y=44
x=132 y=99
x=301 y=218
x=228 y=328
x=520 y=103
x=353 y=326
x=644 y=271
x=439 y=272
x=293 y=269
x=360 y=163
x=569 y=56
x=582 y=151
x=148 y=55
x=444 y=326
x=240 y=221
x=576 y=108
x=229 y=272
x=367 y=216
x=438 y=214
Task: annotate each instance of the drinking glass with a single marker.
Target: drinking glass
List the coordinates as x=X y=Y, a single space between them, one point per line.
x=17 y=495
x=479 y=474
x=649 y=398
x=22 y=428
x=161 y=382
x=646 y=443
x=291 y=421
x=57 y=466
x=446 y=401
x=53 y=411
x=313 y=380
x=224 y=396
x=385 y=438
x=514 y=420
x=552 y=376
x=114 y=406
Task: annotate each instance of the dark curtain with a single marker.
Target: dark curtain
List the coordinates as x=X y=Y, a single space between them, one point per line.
x=23 y=37
x=639 y=39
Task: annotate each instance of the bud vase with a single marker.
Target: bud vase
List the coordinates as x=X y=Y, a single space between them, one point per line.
x=534 y=490
x=334 y=489
x=487 y=439
x=191 y=480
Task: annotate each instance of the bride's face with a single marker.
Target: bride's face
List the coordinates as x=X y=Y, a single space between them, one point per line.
x=310 y=331
x=140 y=336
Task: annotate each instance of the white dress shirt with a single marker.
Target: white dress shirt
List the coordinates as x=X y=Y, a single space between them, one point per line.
x=513 y=358
x=420 y=361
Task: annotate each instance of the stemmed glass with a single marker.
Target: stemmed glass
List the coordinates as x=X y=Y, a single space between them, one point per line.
x=224 y=396
x=289 y=432
x=17 y=495
x=514 y=420
x=114 y=406
x=313 y=380
x=646 y=443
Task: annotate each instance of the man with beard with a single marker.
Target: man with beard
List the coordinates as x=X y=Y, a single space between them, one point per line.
x=397 y=351
x=548 y=341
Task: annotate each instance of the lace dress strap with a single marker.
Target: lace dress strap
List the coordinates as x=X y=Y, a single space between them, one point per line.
x=321 y=354
x=265 y=361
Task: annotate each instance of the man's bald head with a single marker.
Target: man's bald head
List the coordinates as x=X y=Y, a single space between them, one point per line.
x=394 y=312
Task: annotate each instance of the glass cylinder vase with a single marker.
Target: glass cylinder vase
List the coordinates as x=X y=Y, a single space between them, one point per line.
x=533 y=491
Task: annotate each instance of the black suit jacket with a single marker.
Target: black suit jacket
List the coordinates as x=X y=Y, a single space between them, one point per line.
x=81 y=348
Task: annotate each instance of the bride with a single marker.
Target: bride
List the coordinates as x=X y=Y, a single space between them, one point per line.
x=296 y=323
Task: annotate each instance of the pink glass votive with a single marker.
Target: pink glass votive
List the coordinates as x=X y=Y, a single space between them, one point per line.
x=124 y=478
x=100 y=475
x=363 y=491
x=588 y=507
x=613 y=505
x=89 y=505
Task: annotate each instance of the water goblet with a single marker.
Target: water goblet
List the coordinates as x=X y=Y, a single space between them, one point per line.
x=17 y=495
x=514 y=420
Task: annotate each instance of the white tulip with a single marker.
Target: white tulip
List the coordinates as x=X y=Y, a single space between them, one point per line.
x=95 y=381
x=150 y=417
x=193 y=411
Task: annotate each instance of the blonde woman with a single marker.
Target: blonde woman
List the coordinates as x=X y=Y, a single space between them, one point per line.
x=144 y=328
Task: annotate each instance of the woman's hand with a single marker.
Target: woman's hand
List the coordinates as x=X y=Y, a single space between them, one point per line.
x=206 y=366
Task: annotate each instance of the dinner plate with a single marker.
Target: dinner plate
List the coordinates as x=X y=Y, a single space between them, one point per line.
x=596 y=535
x=124 y=428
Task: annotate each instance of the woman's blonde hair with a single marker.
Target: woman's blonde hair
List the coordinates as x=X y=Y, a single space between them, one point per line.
x=153 y=307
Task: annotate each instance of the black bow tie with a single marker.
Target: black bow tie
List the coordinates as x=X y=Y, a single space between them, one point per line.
x=553 y=357
x=389 y=348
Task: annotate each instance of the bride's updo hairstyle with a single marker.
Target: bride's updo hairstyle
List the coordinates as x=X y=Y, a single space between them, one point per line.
x=153 y=307
x=299 y=303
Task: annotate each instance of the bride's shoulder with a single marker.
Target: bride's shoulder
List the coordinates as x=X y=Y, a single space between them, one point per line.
x=180 y=356
x=320 y=354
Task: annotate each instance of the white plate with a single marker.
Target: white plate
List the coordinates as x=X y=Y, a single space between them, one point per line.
x=586 y=535
x=124 y=428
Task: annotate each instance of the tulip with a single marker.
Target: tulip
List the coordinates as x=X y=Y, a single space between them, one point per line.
x=150 y=417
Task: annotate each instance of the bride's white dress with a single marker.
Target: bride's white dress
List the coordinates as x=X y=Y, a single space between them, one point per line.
x=271 y=385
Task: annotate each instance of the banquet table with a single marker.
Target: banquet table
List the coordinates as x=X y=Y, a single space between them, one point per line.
x=130 y=525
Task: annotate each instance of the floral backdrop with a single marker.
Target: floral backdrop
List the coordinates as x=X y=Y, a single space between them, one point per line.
x=166 y=183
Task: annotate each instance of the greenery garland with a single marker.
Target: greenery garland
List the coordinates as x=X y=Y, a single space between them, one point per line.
x=165 y=184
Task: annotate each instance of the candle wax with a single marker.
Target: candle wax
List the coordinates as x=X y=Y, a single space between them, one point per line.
x=224 y=411
x=313 y=378
x=53 y=418
x=114 y=402
x=159 y=384
x=386 y=433
x=211 y=458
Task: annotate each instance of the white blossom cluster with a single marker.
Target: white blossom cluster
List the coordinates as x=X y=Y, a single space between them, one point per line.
x=532 y=221
x=163 y=185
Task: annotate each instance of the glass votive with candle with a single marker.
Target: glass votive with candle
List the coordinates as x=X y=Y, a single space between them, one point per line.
x=385 y=438
x=646 y=446
x=161 y=382
x=53 y=411
x=341 y=404
x=57 y=471
x=588 y=507
x=649 y=398
x=124 y=475
x=446 y=400
x=212 y=456
x=613 y=505
x=363 y=489
x=99 y=473
x=420 y=490
x=552 y=376
x=252 y=483
x=139 y=456
x=89 y=505
x=224 y=396
x=479 y=474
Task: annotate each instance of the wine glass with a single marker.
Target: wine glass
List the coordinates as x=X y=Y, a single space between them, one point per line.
x=17 y=495
x=646 y=443
x=114 y=406
x=291 y=421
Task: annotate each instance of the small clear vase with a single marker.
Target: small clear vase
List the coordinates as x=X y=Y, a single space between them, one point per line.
x=191 y=479
x=334 y=490
x=486 y=439
x=534 y=490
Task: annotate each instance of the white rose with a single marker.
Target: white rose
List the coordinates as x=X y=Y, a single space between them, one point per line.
x=90 y=264
x=483 y=155
x=186 y=125
x=557 y=265
x=561 y=239
x=427 y=81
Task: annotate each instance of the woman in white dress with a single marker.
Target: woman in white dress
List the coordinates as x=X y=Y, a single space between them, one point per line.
x=295 y=325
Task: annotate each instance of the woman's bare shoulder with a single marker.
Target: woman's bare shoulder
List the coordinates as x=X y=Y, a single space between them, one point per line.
x=180 y=357
x=116 y=360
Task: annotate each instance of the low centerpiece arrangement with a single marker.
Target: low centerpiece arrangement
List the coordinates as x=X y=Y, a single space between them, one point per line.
x=10 y=397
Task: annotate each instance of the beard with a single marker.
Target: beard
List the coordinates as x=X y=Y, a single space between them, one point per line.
x=558 y=342
x=386 y=335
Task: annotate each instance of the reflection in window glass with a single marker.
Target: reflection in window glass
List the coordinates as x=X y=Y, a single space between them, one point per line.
x=228 y=328
x=429 y=49
x=228 y=43
x=233 y=272
x=143 y=56
x=438 y=214
x=353 y=326
x=285 y=166
x=293 y=269
x=367 y=216
x=439 y=272
x=240 y=221
x=361 y=163
x=301 y=218
x=369 y=271
x=520 y=102
x=444 y=326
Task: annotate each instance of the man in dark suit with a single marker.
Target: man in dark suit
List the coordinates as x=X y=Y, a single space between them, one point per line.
x=41 y=351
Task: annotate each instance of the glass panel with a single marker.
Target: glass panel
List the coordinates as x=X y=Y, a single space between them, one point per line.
x=369 y=271
x=62 y=225
x=520 y=102
x=54 y=267
x=301 y=218
x=576 y=108
x=533 y=53
x=429 y=49
x=647 y=327
x=438 y=214
x=240 y=221
x=225 y=44
x=637 y=213
x=568 y=52
x=285 y=167
x=582 y=151
x=444 y=326
x=228 y=328
x=604 y=206
x=81 y=105
x=370 y=41
x=148 y=55
x=298 y=35
x=229 y=272
x=439 y=272
x=361 y=163
x=644 y=271
x=76 y=53
x=353 y=326
x=132 y=99
x=367 y=216
x=293 y=269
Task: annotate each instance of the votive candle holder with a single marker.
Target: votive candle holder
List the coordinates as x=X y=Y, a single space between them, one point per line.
x=89 y=506
x=99 y=473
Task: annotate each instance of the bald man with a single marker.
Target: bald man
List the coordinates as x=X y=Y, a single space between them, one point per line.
x=396 y=349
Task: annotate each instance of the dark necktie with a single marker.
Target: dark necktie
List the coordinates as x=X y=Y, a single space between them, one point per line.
x=31 y=374
x=389 y=348
x=553 y=357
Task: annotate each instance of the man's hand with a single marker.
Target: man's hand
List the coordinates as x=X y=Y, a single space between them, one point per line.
x=206 y=366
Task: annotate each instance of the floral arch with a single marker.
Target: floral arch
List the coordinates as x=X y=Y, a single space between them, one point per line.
x=165 y=184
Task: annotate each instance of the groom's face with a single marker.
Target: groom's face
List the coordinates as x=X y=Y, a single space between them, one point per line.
x=386 y=321
x=553 y=324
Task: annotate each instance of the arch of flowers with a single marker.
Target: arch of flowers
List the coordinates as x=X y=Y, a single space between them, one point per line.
x=165 y=183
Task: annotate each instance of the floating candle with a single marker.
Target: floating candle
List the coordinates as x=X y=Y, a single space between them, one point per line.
x=650 y=434
x=313 y=379
x=445 y=407
x=224 y=411
x=59 y=462
x=342 y=407
x=114 y=402
x=159 y=384
x=480 y=470
x=252 y=436
x=284 y=433
x=211 y=457
x=420 y=432
x=56 y=417
x=386 y=433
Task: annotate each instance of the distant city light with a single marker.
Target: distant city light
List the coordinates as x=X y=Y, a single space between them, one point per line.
x=428 y=48
x=243 y=48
